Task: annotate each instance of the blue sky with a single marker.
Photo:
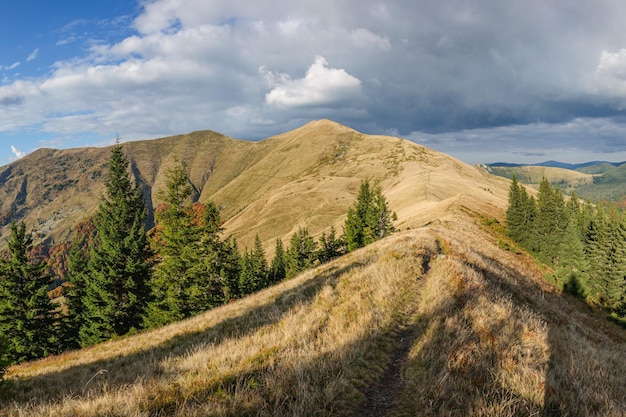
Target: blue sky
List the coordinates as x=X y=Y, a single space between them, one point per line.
x=517 y=81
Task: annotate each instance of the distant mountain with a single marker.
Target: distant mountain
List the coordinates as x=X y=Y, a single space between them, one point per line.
x=597 y=180
x=557 y=164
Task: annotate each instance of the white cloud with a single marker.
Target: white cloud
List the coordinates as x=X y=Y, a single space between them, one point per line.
x=320 y=86
x=17 y=152
x=33 y=55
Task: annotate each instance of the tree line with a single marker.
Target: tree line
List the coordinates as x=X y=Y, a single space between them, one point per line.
x=122 y=278
x=584 y=243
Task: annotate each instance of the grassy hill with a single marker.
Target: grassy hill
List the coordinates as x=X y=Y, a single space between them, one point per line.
x=593 y=182
x=437 y=319
x=304 y=178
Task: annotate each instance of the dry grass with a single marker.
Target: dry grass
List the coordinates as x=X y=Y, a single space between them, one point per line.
x=397 y=329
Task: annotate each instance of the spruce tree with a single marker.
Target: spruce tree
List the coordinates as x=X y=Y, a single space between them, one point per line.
x=116 y=291
x=515 y=213
x=231 y=269
x=550 y=221
x=277 y=269
x=175 y=243
x=192 y=274
x=301 y=253
x=75 y=294
x=27 y=318
x=573 y=267
x=330 y=246
x=369 y=219
x=254 y=271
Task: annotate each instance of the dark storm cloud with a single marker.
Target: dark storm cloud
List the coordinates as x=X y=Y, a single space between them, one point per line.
x=481 y=75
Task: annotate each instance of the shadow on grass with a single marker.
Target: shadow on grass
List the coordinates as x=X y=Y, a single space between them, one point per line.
x=456 y=370
x=121 y=371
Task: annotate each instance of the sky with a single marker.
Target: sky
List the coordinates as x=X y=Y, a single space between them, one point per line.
x=482 y=80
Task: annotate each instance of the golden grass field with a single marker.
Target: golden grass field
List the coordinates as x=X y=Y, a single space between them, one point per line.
x=435 y=320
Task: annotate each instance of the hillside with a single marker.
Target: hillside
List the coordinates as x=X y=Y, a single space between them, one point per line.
x=304 y=178
x=436 y=320
x=593 y=181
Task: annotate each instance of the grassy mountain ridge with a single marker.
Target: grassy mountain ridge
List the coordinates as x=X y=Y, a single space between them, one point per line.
x=436 y=320
x=307 y=177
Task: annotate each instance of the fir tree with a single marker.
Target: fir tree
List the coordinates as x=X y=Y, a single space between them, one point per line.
x=116 y=292
x=189 y=277
x=254 y=271
x=74 y=295
x=301 y=253
x=369 y=219
x=330 y=246
x=550 y=222
x=277 y=269
x=27 y=319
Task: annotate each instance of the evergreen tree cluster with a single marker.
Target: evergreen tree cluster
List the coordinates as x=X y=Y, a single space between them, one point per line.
x=584 y=243
x=122 y=279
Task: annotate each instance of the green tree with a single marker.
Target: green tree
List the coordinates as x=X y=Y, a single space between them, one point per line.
x=301 y=253
x=254 y=271
x=330 y=246
x=573 y=267
x=192 y=261
x=550 y=222
x=278 y=268
x=27 y=318
x=74 y=294
x=116 y=291
x=369 y=219
x=231 y=269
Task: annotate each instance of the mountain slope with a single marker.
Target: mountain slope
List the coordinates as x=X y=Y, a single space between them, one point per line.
x=436 y=320
x=304 y=178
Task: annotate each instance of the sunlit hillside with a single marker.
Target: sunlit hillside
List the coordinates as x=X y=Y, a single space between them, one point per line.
x=437 y=321
x=304 y=178
x=445 y=317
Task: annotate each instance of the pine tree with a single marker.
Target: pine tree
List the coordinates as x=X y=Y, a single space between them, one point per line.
x=116 y=292
x=550 y=221
x=369 y=219
x=277 y=269
x=301 y=253
x=573 y=267
x=330 y=246
x=192 y=274
x=74 y=295
x=27 y=318
x=231 y=270
x=254 y=271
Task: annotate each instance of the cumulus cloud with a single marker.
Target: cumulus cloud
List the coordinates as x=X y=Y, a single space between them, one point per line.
x=476 y=75
x=320 y=86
